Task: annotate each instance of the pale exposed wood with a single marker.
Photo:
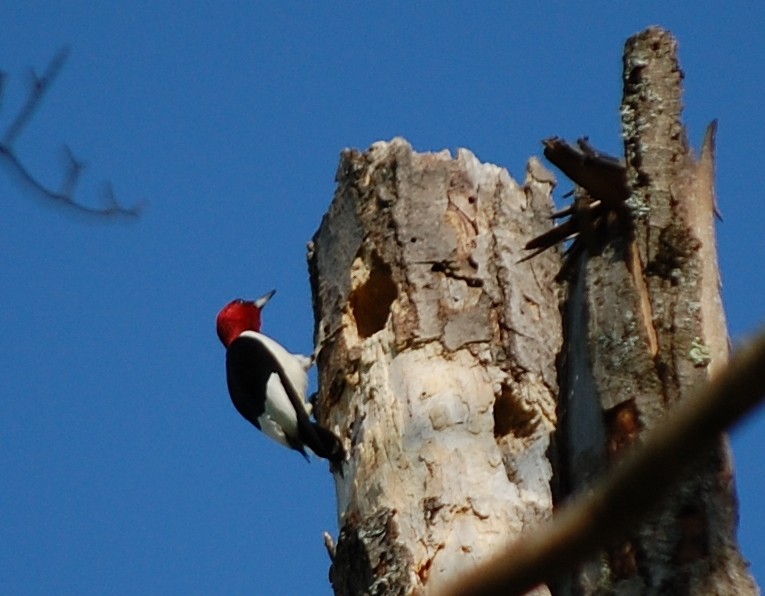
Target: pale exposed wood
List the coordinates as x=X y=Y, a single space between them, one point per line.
x=437 y=351
x=637 y=484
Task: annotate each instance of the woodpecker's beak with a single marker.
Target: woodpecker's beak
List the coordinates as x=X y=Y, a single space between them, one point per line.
x=261 y=302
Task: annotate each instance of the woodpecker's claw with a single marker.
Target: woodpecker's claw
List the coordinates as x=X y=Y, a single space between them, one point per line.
x=305 y=361
x=309 y=404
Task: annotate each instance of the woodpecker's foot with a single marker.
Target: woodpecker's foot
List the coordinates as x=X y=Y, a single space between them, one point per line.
x=337 y=467
x=310 y=403
x=305 y=361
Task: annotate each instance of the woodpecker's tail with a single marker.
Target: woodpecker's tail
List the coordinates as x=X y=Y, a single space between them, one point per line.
x=327 y=444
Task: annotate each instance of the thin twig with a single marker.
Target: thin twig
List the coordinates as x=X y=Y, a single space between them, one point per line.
x=36 y=94
x=16 y=167
x=73 y=171
x=633 y=489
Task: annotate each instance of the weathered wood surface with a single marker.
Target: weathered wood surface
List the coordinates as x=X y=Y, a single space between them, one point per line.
x=436 y=346
x=437 y=352
x=643 y=327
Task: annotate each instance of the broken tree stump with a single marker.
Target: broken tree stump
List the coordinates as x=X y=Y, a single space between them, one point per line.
x=436 y=359
x=643 y=327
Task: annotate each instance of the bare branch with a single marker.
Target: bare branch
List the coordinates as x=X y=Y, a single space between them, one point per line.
x=40 y=86
x=73 y=170
x=634 y=489
x=16 y=168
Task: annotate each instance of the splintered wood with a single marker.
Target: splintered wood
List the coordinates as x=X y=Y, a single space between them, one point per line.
x=643 y=328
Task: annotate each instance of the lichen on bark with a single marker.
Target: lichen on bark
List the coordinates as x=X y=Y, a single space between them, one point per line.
x=643 y=328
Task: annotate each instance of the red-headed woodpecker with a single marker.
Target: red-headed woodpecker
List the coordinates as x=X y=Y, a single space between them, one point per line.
x=268 y=384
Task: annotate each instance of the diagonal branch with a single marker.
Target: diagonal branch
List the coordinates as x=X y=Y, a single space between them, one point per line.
x=619 y=503
x=39 y=88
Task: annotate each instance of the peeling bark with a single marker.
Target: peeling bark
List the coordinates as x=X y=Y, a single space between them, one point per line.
x=648 y=308
x=436 y=353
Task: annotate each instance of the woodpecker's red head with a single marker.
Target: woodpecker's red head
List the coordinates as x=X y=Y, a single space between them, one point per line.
x=240 y=315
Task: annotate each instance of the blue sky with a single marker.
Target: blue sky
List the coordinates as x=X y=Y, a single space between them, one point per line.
x=125 y=468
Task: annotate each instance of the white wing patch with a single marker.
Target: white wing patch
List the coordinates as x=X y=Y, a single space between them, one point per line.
x=279 y=417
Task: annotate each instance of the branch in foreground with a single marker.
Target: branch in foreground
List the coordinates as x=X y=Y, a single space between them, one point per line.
x=634 y=489
x=15 y=167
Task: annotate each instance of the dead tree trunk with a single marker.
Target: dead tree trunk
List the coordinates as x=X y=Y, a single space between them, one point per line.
x=437 y=352
x=643 y=327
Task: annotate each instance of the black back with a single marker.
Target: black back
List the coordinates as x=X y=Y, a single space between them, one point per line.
x=247 y=387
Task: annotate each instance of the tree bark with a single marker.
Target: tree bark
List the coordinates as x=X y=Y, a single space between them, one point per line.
x=643 y=327
x=436 y=352
x=437 y=349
